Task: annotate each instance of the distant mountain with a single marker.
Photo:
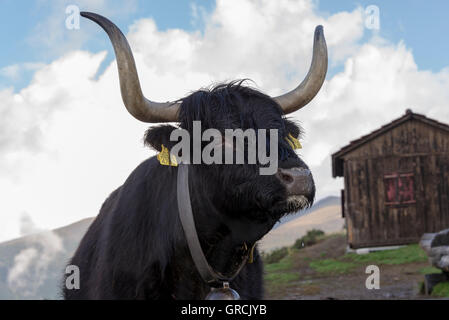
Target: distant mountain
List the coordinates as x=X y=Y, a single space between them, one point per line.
x=325 y=216
x=32 y=267
x=325 y=202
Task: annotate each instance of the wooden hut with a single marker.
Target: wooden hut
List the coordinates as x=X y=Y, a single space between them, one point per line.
x=396 y=182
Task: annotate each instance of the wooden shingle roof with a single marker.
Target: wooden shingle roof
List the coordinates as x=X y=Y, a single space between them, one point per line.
x=337 y=161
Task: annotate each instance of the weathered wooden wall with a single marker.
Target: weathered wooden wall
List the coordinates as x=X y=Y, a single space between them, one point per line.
x=412 y=147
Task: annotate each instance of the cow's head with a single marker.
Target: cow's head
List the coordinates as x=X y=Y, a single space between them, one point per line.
x=238 y=190
x=241 y=188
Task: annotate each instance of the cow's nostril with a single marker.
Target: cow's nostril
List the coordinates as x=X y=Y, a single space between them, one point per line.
x=286 y=178
x=297 y=181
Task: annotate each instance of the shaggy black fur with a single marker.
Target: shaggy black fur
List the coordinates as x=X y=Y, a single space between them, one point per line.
x=136 y=249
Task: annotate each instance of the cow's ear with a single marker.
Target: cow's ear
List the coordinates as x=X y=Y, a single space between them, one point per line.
x=157 y=136
x=293 y=128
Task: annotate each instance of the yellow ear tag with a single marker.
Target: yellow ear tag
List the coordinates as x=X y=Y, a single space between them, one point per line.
x=164 y=158
x=293 y=142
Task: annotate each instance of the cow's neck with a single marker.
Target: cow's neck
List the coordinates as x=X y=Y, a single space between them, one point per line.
x=225 y=241
x=222 y=240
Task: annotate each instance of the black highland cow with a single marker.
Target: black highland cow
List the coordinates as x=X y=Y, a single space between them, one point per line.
x=136 y=247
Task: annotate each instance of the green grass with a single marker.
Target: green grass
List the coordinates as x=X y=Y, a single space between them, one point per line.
x=281 y=278
x=408 y=254
x=280 y=273
x=332 y=266
x=275 y=256
x=282 y=260
x=429 y=270
x=348 y=262
x=441 y=290
x=312 y=237
x=284 y=264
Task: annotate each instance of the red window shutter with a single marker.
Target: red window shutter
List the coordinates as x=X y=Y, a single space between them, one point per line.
x=399 y=188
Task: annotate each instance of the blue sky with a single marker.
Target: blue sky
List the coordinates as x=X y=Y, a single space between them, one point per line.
x=420 y=24
x=22 y=18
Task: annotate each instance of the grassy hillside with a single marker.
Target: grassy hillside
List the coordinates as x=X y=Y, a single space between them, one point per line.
x=326 y=218
x=326 y=271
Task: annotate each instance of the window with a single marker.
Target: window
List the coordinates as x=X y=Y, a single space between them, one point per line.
x=399 y=188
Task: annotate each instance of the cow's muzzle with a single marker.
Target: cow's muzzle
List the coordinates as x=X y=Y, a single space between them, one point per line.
x=298 y=182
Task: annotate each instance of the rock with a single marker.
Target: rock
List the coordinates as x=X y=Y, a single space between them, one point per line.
x=443 y=263
x=437 y=247
x=441 y=239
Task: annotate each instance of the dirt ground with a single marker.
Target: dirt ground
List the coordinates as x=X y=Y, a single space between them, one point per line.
x=396 y=281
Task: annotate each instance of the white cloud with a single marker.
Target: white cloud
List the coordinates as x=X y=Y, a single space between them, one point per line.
x=11 y=72
x=15 y=71
x=379 y=82
x=67 y=141
x=29 y=270
x=16 y=275
x=57 y=135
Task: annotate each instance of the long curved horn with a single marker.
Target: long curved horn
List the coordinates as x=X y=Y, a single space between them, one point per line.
x=306 y=91
x=141 y=108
